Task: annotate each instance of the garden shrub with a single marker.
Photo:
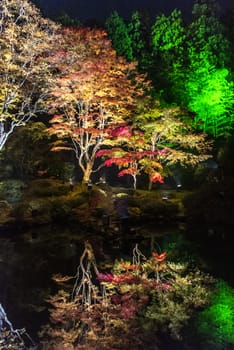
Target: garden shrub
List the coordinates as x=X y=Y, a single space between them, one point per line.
x=215 y=324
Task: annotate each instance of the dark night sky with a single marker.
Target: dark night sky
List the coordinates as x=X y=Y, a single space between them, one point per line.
x=101 y=9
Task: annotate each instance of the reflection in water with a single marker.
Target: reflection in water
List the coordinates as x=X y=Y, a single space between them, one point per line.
x=30 y=258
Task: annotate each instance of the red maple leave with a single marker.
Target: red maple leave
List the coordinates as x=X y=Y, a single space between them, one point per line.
x=95 y=90
x=159 y=257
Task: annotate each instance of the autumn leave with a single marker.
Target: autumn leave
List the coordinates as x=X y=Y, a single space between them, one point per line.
x=134 y=156
x=94 y=92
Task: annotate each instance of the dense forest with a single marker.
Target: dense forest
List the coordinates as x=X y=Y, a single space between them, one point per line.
x=93 y=116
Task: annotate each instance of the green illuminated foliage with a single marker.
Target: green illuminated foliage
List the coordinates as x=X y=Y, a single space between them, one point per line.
x=211 y=97
x=206 y=35
x=118 y=32
x=168 y=34
x=209 y=87
x=139 y=32
x=67 y=21
x=168 y=129
x=168 y=39
x=216 y=323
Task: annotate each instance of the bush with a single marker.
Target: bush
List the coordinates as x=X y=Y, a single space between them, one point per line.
x=47 y=188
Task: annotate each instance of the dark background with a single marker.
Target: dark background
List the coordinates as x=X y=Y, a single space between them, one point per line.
x=100 y=9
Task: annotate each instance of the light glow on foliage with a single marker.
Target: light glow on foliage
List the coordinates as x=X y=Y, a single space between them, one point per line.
x=212 y=99
x=94 y=91
x=216 y=323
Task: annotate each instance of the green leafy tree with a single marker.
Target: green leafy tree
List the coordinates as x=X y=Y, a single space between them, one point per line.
x=67 y=21
x=139 y=32
x=209 y=85
x=25 y=36
x=118 y=33
x=206 y=36
x=168 y=40
x=211 y=97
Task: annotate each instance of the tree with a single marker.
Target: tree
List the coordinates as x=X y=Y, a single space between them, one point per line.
x=67 y=21
x=139 y=33
x=211 y=97
x=15 y=339
x=94 y=92
x=118 y=33
x=170 y=129
x=169 y=50
x=209 y=87
x=134 y=156
x=165 y=140
x=206 y=36
x=24 y=77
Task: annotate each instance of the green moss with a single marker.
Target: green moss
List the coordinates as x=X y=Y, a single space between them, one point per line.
x=216 y=323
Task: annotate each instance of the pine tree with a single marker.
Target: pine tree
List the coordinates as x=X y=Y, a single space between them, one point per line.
x=118 y=33
x=139 y=32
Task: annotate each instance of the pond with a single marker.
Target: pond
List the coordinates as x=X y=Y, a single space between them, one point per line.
x=29 y=257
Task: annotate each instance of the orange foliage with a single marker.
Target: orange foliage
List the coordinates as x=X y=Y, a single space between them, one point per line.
x=94 y=91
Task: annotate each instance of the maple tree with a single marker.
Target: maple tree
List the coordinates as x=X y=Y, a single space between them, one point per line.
x=25 y=36
x=170 y=130
x=137 y=299
x=165 y=139
x=134 y=155
x=94 y=91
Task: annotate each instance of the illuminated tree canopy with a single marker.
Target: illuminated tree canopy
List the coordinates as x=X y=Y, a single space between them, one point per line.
x=134 y=155
x=118 y=33
x=24 y=78
x=94 y=92
x=190 y=64
x=160 y=139
x=211 y=97
x=139 y=32
x=209 y=85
